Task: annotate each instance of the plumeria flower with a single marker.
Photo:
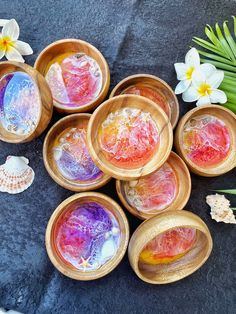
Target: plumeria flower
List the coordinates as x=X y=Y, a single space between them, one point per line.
x=205 y=82
x=185 y=70
x=10 y=46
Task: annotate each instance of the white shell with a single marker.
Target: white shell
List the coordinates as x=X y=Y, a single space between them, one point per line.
x=15 y=175
x=220 y=209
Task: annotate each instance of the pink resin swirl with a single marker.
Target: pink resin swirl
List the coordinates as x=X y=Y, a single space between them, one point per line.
x=128 y=138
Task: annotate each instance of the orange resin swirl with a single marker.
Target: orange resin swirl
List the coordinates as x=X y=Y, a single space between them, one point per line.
x=128 y=138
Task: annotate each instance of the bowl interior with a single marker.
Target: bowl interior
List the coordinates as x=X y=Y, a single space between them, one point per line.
x=14 y=67
x=74 y=46
x=230 y=121
x=157 y=84
x=180 y=268
x=59 y=130
x=183 y=189
x=145 y=105
x=68 y=205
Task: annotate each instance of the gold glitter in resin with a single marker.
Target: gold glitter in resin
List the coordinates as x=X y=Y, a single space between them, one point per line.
x=128 y=138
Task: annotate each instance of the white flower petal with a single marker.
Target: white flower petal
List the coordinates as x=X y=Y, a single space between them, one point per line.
x=11 y=29
x=23 y=48
x=198 y=78
x=190 y=94
x=13 y=55
x=207 y=68
x=182 y=86
x=3 y=22
x=180 y=69
x=218 y=96
x=204 y=100
x=192 y=58
x=215 y=79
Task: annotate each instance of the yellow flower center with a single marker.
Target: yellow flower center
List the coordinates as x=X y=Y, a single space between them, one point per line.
x=204 y=89
x=6 y=43
x=189 y=73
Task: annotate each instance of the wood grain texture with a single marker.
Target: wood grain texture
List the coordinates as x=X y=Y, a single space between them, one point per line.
x=163 y=126
x=157 y=84
x=183 y=193
x=110 y=205
x=181 y=268
x=46 y=104
x=75 y=45
x=70 y=121
x=229 y=118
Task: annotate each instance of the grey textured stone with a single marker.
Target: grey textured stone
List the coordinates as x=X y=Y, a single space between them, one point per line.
x=135 y=37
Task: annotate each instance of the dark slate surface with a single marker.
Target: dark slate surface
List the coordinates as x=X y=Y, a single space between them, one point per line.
x=135 y=37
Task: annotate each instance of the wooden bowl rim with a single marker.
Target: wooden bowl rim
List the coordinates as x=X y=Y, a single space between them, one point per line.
x=26 y=68
x=156 y=225
x=108 y=266
x=105 y=87
x=107 y=167
x=193 y=167
x=65 y=183
x=173 y=120
x=144 y=216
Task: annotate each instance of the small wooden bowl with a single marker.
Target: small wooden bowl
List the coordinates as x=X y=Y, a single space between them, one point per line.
x=229 y=118
x=46 y=107
x=75 y=45
x=155 y=82
x=67 y=269
x=131 y=101
x=183 y=192
x=185 y=266
x=70 y=121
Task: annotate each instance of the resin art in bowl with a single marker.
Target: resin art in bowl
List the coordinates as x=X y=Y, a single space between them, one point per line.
x=206 y=140
x=20 y=104
x=75 y=79
x=87 y=236
x=128 y=137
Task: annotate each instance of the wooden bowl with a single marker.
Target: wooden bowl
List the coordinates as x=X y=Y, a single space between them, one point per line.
x=45 y=102
x=58 y=128
x=225 y=115
x=54 y=255
x=184 y=266
x=157 y=84
x=75 y=45
x=159 y=118
x=182 y=195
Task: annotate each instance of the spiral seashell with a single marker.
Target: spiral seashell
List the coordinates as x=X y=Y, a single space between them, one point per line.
x=15 y=175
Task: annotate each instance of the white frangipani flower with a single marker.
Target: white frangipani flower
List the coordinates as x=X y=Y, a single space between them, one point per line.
x=185 y=70
x=10 y=46
x=205 y=82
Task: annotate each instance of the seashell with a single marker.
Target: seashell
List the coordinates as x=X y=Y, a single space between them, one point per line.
x=15 y=175
x=220 y=209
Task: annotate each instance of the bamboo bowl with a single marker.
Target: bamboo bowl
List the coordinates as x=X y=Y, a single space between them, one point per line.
x=157 y=84
x=183 y=267
x=58 y=128
x=66 y=268
x=229 y=118
x=145 y=105
x=75 y=45
x=182 y=195
x=45 y=102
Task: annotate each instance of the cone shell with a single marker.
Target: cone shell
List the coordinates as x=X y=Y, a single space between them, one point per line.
x=15 y=175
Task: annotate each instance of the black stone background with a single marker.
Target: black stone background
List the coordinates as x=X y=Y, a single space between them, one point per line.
x=135 y=37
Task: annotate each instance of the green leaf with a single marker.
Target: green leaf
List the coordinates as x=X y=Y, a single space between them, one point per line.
x=229 y=80
x=223 y=42
x=220 y=65
x=233 y=208
x=229 y=38
x=232 y=191
x=207 y=45
x=228 y=87
x=231 y=97
x=229 y=74
x=230 y=106
x=234 y=25
x=211 y=35
x=217 y=58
